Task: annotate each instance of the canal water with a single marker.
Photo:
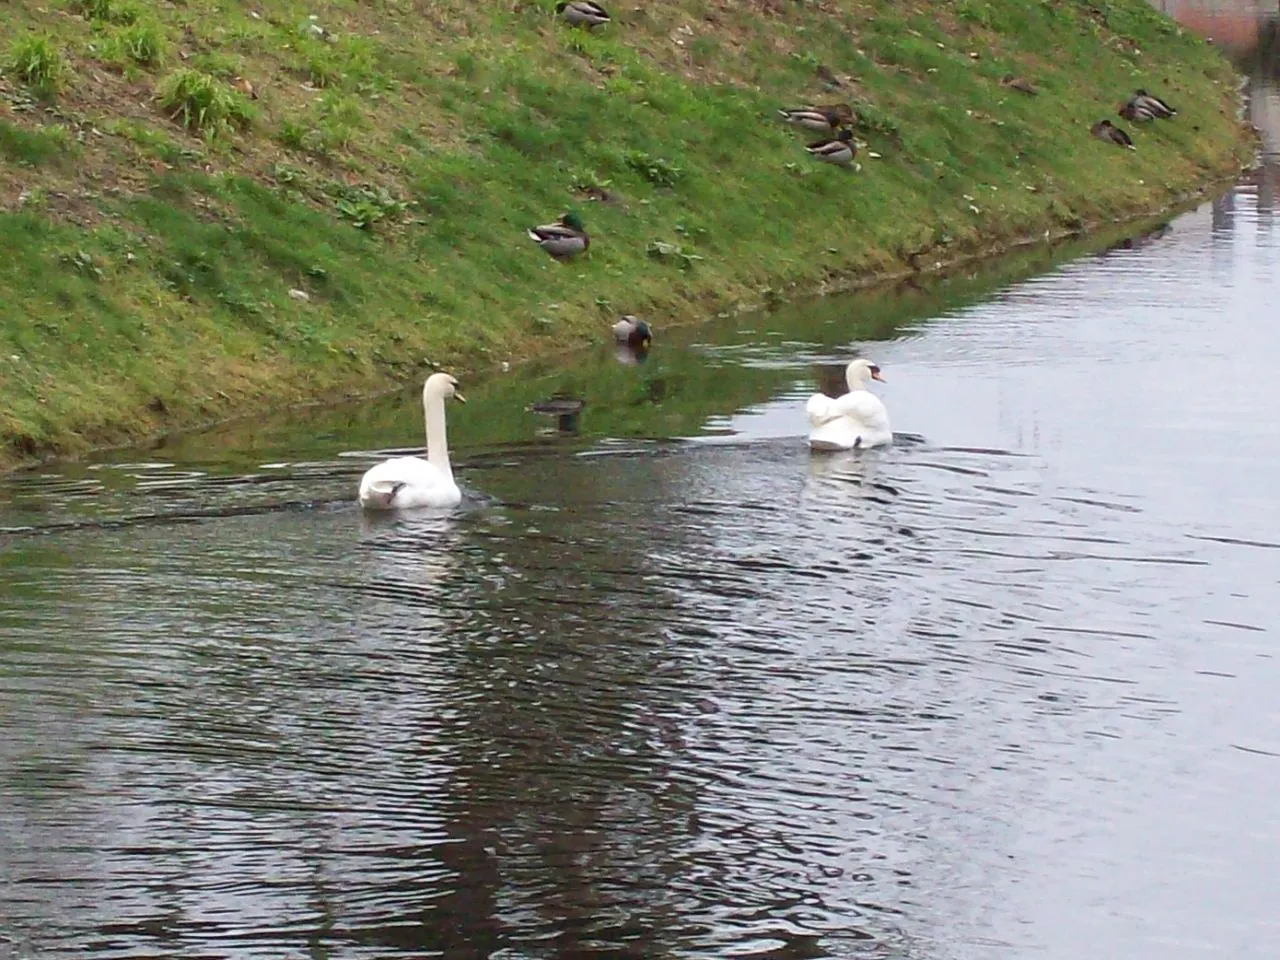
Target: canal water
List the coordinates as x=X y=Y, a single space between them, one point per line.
x=668 y=685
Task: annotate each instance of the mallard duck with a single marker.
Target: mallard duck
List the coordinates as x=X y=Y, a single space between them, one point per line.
x=632 y=331
x=823 y=118
x=1019 y=84
x=1135 y=112
x=1152 y=105
x=1106 y=130
x=564 y=239
x=582 y=13
x=838 y=150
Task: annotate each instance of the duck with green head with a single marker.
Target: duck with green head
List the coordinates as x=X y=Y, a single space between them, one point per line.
x=564 y=239
x=632 y=331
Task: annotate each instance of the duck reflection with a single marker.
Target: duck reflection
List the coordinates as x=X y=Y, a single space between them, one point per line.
x=629 y=355
x=564 y=408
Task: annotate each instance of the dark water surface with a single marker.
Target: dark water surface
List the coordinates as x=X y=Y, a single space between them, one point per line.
x=673 y=687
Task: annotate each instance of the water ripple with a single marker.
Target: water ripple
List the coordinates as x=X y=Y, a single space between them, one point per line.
x=660 y=698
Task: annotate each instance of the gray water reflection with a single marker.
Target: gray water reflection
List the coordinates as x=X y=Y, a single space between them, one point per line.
x=647 y=696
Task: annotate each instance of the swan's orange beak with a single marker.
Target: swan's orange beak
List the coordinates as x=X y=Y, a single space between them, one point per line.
x=459 y=397
x=876 y=376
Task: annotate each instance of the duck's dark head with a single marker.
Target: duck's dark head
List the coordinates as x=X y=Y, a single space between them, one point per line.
x=845 y=135
x=573 y=221
x=641 y=335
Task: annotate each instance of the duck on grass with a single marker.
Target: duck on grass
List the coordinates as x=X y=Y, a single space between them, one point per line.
x=564 y=239
x=582 y=13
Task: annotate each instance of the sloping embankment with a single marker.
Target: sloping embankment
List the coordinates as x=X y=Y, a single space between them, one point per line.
x=365 y=209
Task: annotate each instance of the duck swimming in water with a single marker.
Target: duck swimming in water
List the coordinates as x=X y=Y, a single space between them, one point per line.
x=632 y=331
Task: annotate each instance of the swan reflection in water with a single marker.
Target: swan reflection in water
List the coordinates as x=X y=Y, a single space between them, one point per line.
x=845 y=471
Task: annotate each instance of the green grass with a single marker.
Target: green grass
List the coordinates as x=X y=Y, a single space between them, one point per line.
x=33 y=147
x=36 y=61
x=202 y=103
x=142 y=43
x=107 y=11
x=397 y=153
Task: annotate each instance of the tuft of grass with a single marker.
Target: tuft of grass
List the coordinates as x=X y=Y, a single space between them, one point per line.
x=108 y=11
x=37 y=62
x=202 y=103
x=658 y=171
x=141 y=43
x=327 y=128
x=364 y=206
x=218 y=64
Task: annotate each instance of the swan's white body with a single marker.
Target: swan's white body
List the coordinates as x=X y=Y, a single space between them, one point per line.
x=402 y=483
x=856 y=420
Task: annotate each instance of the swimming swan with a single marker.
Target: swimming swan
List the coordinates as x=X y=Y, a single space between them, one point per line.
x=405 y=482
x=853 y=421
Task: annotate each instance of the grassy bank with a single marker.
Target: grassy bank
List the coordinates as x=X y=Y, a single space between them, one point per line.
x=349 y=196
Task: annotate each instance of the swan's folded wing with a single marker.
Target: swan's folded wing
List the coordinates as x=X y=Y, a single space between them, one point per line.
x=821 y=409
x=864 y=407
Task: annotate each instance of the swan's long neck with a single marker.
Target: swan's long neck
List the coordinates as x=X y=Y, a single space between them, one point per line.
x=856 y=382
x=437 y=445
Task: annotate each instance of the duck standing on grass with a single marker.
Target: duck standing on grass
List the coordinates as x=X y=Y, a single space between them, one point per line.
x=582 y=13
x=564 y=239
x=838 y=150
x=1107 y=131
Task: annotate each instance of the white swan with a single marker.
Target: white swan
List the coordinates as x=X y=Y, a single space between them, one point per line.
x=855 y=420
x=404 y=482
